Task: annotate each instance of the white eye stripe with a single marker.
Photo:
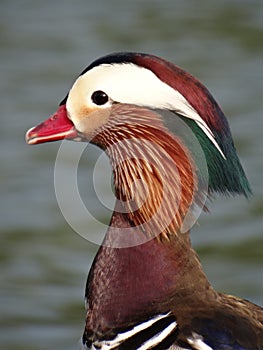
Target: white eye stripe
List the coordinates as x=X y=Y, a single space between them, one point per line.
x=131 y=84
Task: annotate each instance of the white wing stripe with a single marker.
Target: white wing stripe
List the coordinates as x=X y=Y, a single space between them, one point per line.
x=123 y=336
x=158 y=338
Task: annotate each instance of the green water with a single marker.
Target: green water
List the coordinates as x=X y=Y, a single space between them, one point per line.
x=44 y=45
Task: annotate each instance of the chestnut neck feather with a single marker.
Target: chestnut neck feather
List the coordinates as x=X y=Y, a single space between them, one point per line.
x=154 y=175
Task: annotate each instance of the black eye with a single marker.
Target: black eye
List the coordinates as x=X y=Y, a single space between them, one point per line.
x=99 y=97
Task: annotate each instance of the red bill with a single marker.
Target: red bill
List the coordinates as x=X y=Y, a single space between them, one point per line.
x=57 y=127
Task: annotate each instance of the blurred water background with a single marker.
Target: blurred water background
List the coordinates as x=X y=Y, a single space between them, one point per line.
x=44 y=45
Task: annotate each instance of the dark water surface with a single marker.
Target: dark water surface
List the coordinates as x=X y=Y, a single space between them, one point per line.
x=44 y=45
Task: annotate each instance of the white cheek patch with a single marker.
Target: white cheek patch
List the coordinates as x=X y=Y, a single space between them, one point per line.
x=131 y=84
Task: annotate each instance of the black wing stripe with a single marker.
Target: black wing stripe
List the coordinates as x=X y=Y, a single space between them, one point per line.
x=142 y=337
x=157 y=333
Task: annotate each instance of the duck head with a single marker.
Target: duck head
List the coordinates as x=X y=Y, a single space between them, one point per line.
x=113 y=87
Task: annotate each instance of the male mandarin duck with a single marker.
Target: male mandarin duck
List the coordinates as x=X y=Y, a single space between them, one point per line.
x=146 y=288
